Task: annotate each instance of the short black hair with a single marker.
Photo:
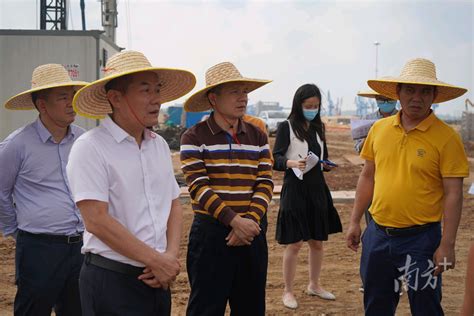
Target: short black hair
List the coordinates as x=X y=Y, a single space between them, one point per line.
x=217 y=90
x=41 y=94
x=119 y=84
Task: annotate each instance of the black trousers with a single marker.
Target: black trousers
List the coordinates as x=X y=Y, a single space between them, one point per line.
x=47 y=276
x=219 y=274
x=105 y=292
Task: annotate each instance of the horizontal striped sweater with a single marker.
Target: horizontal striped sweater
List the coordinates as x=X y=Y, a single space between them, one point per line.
x=227 y=178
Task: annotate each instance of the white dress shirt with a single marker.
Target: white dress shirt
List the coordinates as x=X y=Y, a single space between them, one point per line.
x=138 y=183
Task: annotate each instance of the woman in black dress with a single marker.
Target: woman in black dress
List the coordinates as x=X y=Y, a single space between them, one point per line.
x=306 y=210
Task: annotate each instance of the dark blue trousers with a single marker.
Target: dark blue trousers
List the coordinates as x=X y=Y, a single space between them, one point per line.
x=386 y=259
x=47 y=276
x=107 y=293
x=219 y=274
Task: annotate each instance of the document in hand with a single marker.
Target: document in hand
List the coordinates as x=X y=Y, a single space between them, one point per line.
x=360 y=128
x=311 y=161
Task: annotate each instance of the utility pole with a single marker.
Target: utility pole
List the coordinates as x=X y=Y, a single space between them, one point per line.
x=377 y=44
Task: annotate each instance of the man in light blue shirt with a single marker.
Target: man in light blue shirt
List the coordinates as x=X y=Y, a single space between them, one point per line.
x=36 y=207
x=385 y=107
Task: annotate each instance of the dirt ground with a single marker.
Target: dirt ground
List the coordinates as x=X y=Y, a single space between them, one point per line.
x=340 y=267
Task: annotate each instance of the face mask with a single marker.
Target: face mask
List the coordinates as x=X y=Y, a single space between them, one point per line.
x=386 y=106
x=310 y=114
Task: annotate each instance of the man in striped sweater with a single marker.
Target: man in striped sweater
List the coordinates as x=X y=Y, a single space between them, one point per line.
x=227 y=165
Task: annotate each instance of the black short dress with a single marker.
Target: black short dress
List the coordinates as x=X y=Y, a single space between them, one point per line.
x=306 y=207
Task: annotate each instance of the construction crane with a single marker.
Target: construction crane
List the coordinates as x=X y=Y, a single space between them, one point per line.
x=53 y=15
x=468 y=102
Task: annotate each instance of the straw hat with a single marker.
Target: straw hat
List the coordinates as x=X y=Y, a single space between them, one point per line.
x=221 y=73
x=44 y=77
x=91 y=101
x=369 y=93
x=417 y=71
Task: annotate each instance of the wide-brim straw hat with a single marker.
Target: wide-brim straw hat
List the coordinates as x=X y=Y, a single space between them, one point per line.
x=216 y=75
x=369 y=93
x=44 y=77
x=417 y=71
x=91 y=101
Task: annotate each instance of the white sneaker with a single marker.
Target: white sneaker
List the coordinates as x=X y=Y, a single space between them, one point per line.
x=289 y=301
x=325 y=295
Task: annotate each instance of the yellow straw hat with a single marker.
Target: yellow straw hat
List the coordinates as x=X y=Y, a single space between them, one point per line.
x=417 y=71
x=44 y=77
x=221 y=73
x=91 y=101
x=369 y=93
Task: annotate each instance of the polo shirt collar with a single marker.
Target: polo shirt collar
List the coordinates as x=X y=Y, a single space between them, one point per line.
x=216 y=129
x=422 y=126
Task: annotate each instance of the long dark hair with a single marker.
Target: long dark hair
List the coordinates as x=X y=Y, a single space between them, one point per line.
x=296 y=117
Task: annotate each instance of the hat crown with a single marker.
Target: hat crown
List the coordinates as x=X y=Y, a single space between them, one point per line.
x=419 y=67
x=49 y=74
x=222 y=72
x=125 y=61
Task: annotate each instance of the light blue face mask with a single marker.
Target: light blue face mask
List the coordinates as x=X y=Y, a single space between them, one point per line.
x=310 y=114
x=386 y=106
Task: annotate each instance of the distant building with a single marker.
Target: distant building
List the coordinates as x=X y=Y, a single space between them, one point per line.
x=266 y=106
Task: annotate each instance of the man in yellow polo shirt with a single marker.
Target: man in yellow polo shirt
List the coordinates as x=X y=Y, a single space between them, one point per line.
x=415 y=165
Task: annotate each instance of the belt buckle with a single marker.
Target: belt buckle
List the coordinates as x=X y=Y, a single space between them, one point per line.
x=74 y=239
x=387 y=231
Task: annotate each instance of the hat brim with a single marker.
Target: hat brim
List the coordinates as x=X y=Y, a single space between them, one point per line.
x=371 y=94
x=198 y=102
x=91 y=101
x=387 y=86
x=23 y=100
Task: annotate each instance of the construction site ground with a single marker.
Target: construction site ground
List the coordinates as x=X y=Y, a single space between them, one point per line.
x=340 y=273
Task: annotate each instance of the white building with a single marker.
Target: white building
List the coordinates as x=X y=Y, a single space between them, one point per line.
x=83 y=53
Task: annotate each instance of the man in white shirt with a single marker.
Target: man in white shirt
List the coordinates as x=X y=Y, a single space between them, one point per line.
x=122 y=180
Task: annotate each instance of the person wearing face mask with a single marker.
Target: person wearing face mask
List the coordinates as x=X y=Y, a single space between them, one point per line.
x=306 y=213
x=386 y=108
x=413 y=180
x=36 y=206
x=122 y=179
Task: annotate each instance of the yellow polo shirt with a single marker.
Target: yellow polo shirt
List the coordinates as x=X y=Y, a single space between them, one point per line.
x=410 y=167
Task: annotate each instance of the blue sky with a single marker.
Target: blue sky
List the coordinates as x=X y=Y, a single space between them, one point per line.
x=329 y=43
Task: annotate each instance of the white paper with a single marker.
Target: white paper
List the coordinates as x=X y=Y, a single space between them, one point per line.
x=360 y=128
x=471 y=189
x=311 y=161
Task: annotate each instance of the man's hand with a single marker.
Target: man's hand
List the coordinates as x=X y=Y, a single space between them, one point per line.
x=245 y=229
x=233 y=240
x=164 y=267
x=149 y=279
x=353 y=236
x=444 y=258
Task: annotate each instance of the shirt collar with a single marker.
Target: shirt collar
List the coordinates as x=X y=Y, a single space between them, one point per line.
x=422 y=126
x=116 y=131
x=45 y=134
x=216 y=129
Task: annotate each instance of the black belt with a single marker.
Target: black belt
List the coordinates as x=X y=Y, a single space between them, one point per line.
x=112 y=265
x=71 y=239
x=405 y=231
